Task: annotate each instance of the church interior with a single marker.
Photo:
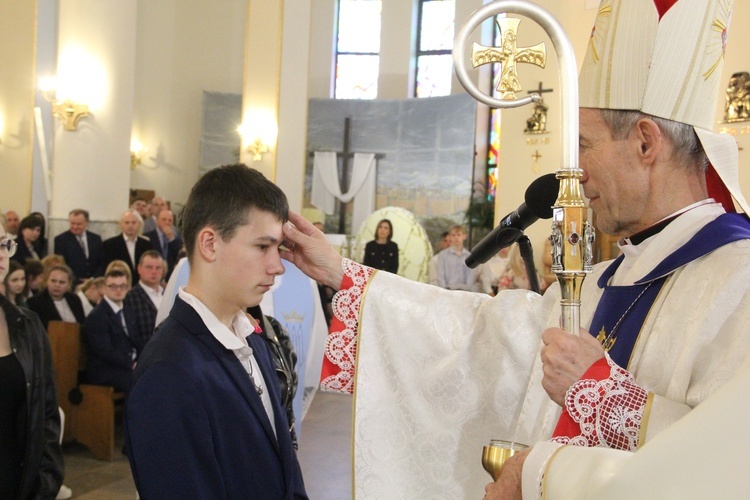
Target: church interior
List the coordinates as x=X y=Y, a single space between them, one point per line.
x=169 y=84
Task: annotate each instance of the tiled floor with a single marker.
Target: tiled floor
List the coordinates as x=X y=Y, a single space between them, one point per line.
x=324 y=455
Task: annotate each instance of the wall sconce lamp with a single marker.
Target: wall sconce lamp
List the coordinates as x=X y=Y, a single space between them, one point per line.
x=137 y=151
x=258 y=132
x=257 y=148
x=67 y=111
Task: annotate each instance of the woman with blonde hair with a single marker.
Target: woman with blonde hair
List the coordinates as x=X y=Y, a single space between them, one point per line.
x=515 y=275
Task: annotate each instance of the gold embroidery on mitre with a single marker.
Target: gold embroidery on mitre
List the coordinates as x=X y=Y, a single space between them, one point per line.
x=598 y=32
x=721 y=27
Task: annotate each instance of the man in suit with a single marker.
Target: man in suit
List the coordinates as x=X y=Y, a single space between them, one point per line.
x=157 y=205
x=112 y=350
x=143 y=300
x=165 y=240
x=204 y=418
x=127 y=246
x=81 y=249
x=56 y=302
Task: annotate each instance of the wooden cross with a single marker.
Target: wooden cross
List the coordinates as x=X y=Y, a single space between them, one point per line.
x=540 y=90
x=508 y=54
x=344 y=168
x=536 y=157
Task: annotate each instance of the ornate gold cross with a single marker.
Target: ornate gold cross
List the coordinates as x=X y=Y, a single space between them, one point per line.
x=508 y=54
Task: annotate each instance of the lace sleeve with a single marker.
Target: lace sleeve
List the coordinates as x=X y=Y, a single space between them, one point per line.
x=341 y=345
x=604 y=408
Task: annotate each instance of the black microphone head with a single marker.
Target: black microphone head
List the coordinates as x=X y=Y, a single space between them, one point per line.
x=541 y=195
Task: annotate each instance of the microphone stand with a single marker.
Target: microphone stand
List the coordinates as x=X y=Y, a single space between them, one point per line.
x=527 y=253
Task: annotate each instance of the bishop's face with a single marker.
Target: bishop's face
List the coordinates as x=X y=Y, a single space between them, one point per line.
x=612 y=180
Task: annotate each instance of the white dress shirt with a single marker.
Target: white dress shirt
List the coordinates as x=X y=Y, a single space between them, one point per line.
x=154 y=295
x=234 y=341
x=130 y=244
x=63 y=308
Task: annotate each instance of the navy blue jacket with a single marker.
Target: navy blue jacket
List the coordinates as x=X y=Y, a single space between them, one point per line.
x=67 y=245
x=195 y=427
x=109 y=348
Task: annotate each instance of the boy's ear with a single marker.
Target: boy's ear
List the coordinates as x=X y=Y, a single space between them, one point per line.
x=207 y=239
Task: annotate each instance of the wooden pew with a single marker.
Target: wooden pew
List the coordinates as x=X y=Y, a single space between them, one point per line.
x=65 y=342
x=90 y=409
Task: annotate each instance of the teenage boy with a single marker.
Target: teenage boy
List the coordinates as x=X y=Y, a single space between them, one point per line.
x=204 y=417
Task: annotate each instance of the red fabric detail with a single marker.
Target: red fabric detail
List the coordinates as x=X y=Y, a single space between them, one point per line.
x=603 y=411
x=566 y=426
x=662 y=6
x=718 y=191
x=329 y=367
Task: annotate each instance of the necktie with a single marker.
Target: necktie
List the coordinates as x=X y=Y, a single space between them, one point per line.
x=82 y=242
x=164 y=246
x=121 y=319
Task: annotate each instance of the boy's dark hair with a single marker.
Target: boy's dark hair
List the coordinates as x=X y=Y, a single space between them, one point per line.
x=222 y=199
x=117 y=273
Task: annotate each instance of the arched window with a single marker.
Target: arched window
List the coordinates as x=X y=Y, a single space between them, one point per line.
x=357 y=49
x=435 y=28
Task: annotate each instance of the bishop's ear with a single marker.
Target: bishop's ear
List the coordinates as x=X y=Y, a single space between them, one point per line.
x=650 y=139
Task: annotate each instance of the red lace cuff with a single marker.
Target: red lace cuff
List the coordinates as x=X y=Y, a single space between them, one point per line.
x=341 y=345
x=604 y=408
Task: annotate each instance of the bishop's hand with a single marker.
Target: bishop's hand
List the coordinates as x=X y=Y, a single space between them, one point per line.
x=508 y=485
x=565 y=358
x=308 y=249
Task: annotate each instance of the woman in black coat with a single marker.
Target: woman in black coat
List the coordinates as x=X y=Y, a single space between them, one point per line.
x=31 y=462
x=382 y=253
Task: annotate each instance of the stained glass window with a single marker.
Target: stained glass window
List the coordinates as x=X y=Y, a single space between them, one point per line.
x=493 y=151
x=357 y=49
x=435 y=42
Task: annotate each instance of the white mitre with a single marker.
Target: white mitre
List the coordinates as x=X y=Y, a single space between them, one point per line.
x=664 y=58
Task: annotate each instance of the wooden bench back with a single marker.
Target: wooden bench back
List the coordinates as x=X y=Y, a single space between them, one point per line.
x=65 y=342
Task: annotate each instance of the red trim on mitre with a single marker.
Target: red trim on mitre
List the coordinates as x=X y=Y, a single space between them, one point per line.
x=662 y=6
x=718 y=191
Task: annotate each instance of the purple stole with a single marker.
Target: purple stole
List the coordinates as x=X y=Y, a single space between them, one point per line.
x=624 y=308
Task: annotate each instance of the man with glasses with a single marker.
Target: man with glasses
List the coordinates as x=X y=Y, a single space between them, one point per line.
x=109 y=330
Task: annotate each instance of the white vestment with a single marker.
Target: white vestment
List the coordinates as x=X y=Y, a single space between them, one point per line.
x=439 y=373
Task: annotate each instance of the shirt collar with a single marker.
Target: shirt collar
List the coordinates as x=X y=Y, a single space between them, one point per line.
x=656 y=228
x=129 y=240
x=229 y=339
x=151 y=291
x=116 y=308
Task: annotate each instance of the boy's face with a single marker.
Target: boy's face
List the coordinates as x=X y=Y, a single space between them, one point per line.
x=115 y=288
x=247 y=264
x=457 y=238
x=58 y=283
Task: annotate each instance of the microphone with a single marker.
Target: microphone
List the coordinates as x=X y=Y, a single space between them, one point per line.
x=539 y=198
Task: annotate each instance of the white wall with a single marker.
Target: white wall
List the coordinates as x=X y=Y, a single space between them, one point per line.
x=17 y=39
x=182 y=49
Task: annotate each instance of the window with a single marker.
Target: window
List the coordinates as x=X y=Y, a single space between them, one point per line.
x=358 y=49
x=434 y=46
x=493 y=151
